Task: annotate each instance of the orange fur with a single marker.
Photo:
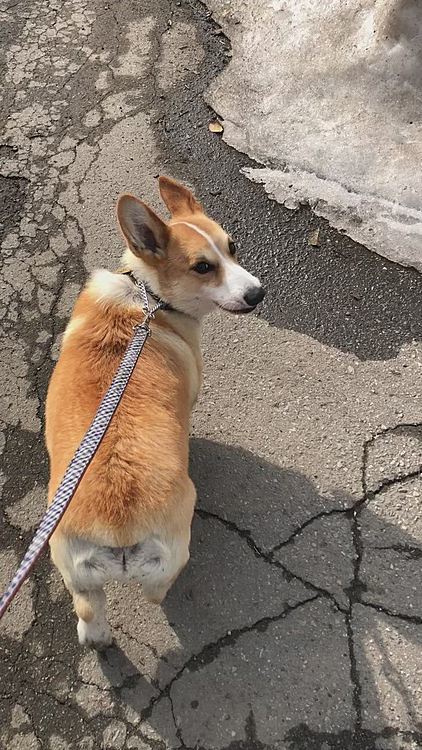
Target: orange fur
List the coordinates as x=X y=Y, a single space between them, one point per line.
x=135 y=481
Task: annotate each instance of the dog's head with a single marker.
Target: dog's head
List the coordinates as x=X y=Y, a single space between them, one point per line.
x=190 y=261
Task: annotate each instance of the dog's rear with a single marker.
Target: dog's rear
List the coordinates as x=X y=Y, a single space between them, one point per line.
x=131 y=516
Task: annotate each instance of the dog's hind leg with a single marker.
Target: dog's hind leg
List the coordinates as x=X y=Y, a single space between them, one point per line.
x=84 y=580
x=93 y=628
x=160 y=559
x=156 y=563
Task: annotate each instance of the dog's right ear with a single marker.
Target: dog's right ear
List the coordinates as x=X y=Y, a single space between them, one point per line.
x=146 y=234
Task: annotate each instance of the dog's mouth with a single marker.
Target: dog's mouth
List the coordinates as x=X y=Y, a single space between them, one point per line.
x=237 y=310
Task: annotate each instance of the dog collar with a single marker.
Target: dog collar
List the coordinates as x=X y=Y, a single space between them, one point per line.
x=163 y=304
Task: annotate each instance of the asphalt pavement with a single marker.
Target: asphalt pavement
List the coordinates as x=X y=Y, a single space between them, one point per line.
x=297 y=624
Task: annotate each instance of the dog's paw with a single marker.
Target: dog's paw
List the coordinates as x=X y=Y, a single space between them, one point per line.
x=95 y=634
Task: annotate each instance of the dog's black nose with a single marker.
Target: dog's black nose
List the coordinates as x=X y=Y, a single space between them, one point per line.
x=254 y=296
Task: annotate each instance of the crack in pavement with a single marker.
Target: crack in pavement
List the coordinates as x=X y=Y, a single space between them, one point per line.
x=299 y=529
x=357 y=587
x=268 y=557
x=368 y=495
x=210 y=651
x=412 y=553
x=414 y=619
x=397 y=428
x=355 y=590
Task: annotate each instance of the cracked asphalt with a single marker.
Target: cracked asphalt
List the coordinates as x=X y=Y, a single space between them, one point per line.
x=298 y=623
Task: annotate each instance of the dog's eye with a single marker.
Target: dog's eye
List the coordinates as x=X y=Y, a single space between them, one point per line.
x=232 y=247
x=203 y=267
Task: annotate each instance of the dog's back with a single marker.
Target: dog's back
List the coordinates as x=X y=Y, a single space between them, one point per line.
x=140 y=470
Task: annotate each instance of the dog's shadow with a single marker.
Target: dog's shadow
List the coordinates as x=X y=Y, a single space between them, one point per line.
x=262 y=645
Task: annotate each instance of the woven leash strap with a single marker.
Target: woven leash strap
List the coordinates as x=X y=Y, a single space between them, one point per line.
x=82 y=457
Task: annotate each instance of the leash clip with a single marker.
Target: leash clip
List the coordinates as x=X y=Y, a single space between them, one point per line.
x=148 y=311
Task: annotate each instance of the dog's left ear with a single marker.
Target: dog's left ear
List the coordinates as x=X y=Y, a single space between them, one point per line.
x=177 y=197
x=146 y=234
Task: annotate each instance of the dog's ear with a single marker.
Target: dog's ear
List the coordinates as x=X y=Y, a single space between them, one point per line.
x=146 y=234
x=177 y=197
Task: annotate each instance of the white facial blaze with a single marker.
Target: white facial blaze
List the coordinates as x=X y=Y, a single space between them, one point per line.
x=236 y=280
x=202 y=233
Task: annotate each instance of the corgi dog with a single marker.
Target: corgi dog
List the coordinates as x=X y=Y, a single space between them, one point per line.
x=131 y=516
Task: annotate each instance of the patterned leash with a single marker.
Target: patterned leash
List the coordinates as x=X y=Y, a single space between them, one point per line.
x=86 y=451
